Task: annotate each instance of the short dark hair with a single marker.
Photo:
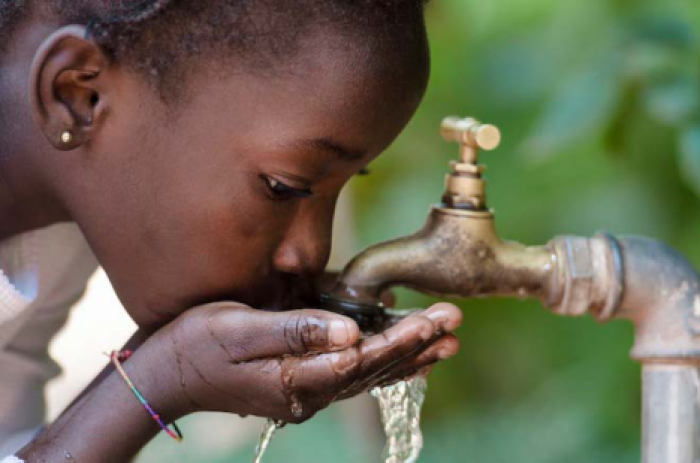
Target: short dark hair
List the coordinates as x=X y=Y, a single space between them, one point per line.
x=154 y=36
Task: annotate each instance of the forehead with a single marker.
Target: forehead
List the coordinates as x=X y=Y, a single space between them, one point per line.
x=333 y=89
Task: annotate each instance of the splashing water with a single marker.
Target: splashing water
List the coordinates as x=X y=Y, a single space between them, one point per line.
x=400 y=406
x=266 y=434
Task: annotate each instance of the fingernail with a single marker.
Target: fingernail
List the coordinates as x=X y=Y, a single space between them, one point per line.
x=435 y=315
x=339 y=333
x=445 y=353
x=447 y=315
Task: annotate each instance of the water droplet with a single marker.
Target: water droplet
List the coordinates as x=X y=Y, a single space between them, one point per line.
x=295 y=406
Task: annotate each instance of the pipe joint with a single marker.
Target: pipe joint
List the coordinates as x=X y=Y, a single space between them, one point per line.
x=632 y=278
x=589 y=276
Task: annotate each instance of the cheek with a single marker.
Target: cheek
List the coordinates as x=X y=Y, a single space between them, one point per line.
x=226 y=235
x=201 y=243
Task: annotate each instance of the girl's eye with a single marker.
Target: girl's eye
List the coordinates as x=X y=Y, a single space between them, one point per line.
x=281 y=192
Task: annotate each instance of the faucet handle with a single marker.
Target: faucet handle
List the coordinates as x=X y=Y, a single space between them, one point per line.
x=471 y=135
x=464 y=187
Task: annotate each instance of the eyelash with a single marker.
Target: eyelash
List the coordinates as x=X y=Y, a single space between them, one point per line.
x=282 y=192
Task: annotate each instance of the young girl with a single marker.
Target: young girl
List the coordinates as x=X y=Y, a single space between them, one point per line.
x=197 y=150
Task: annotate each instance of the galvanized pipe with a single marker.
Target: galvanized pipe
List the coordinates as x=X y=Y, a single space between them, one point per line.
x=662 y=298
x=649 y=283
x=670 y=414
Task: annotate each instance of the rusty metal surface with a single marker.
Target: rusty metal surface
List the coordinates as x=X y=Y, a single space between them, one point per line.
x=457 y=253
x=661 y=290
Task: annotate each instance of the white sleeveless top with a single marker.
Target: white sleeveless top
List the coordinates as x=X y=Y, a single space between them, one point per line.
x=42 y=274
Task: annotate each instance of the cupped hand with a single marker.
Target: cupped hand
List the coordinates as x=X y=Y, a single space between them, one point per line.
x=289 y=365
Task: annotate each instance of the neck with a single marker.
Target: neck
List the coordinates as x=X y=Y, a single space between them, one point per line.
x=25 y=203
x=27 y=200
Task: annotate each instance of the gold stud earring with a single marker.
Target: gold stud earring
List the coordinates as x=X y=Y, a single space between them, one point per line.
x=66 y=137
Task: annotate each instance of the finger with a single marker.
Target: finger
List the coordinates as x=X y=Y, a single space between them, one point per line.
x=406 y=338
x=248 y=334
x=445 y=313
x=310 y=383
x=409 y=335
x=318 y=379
x=443 y=348
x=373 y=356
x=399 y=346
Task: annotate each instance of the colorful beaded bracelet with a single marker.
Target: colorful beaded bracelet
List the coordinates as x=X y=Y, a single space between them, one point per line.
x=117 y=359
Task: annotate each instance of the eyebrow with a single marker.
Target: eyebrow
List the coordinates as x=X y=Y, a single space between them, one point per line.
x=331 y=146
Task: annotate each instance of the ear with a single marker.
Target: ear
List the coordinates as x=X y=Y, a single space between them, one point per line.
x=65 y=87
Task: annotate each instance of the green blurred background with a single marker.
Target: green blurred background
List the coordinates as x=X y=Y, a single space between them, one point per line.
x=599 y=105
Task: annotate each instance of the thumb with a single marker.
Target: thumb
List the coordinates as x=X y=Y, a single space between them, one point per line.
x=249 y=333
x=311 y=330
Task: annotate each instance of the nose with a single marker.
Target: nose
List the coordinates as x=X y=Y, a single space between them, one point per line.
x=306 y=246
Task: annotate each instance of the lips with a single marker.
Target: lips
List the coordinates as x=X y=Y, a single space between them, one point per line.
x=293 y=293
x=275 y=294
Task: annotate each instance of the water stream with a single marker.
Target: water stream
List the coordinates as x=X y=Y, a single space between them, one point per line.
x=400 y=406
x=266 y=434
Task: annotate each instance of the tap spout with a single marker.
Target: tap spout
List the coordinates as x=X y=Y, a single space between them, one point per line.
x=456 y=253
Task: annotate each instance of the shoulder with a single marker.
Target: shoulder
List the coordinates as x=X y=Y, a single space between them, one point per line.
x=43 y=267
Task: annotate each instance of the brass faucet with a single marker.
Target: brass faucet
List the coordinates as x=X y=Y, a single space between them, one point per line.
x=458 y=253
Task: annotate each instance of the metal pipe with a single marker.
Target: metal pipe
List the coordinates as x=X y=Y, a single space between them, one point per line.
x=456 y=253
x=670 y=414
x=662 y=298
x=647 y=282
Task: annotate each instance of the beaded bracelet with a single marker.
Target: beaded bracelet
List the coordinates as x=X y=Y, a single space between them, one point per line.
x=117 y=358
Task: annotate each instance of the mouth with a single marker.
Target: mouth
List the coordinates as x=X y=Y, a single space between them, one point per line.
x=294 y=293
x=280 y=294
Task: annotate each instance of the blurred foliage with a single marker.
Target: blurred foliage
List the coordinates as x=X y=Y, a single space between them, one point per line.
x=599 y=104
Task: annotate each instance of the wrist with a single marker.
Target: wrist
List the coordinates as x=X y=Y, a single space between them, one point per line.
x=112 y=424
x=156 y=373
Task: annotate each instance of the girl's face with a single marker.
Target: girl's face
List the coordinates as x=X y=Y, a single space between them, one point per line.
x=230 y=193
